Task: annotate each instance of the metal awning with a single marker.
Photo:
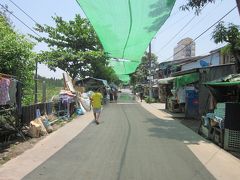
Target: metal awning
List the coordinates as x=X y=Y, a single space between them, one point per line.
x=230 y=80
x=166 y=80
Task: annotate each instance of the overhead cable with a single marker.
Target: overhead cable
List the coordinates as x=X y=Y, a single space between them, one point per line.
x=195 y=25
x=203 y=32
x=164 y=46
x=179 y=31
x=23 y=11
x=19 y=20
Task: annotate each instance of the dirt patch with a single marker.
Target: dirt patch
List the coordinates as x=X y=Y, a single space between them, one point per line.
x=17 y=145
x=14 y=148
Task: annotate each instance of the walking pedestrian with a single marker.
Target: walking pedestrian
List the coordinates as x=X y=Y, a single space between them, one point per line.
x=115 y=95
x=141 y=95
x=96 y=101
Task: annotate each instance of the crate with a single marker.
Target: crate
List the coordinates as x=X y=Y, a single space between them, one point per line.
x=218 y=136
x=232 y=140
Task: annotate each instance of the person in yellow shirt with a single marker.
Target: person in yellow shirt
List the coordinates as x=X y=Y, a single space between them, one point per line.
x=96 y=102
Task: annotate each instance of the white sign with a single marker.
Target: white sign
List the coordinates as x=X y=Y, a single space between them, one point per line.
x=150 y=77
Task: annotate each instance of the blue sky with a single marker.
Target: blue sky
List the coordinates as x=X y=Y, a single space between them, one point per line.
x=43 y=10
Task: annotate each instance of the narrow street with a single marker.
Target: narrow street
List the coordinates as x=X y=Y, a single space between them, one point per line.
x=129 y=143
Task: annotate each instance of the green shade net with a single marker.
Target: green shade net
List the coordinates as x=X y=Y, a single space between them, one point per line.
x=126 y=67
x=125 y=27
x=124 y=77
x=181 y=81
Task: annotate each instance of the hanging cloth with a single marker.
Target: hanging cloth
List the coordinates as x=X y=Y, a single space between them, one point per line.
x=12 y=92
x=4 y=91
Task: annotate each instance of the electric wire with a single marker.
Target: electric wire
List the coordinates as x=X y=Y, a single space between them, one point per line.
x=23 y=11
x=173 y=24
x=20 y=20
x=196 y=24
x=164 y=46
x=202 y=33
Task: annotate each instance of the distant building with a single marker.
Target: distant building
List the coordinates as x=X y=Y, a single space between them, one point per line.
x=184 y=49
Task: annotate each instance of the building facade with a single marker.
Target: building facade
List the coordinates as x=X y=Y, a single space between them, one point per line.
x=184 y=49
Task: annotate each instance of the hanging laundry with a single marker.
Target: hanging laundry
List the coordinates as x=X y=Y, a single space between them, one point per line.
x=4 y=91
x=12 y=91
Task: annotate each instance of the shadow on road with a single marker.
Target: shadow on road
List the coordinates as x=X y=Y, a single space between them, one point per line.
x=170 y=129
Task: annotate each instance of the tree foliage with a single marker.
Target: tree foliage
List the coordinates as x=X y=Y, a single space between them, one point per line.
x=231 y=35
x=197 y=5
x=75 y=48
x=140 y=75
x=16 y=57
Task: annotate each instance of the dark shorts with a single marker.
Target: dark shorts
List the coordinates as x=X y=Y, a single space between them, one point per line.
x=97 y=110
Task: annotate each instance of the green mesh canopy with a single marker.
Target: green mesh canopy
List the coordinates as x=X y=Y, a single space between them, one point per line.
x=124 y=67
x=124 y=77
x=125 y=27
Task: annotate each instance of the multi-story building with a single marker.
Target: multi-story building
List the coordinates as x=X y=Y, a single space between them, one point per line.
x=184 y=49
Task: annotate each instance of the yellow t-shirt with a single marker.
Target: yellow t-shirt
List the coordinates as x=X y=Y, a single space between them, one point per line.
x=97 y=100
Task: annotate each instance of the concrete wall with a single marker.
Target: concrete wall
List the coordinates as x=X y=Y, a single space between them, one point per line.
x=210 y=74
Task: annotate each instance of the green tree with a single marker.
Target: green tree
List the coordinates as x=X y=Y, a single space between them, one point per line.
x=197 y=5
x=231 y=35
x=75 y=48
x=140 y=75
x=16 y=57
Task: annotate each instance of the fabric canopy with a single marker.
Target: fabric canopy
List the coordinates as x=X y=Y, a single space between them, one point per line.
x=125 y=27
x=92 y=82
x=183 y=80
x=166 y=80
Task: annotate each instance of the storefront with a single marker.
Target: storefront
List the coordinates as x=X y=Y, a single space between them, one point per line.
x=184 y=95
x=221 y=124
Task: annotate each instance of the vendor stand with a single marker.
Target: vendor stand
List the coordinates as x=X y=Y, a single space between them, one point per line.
x=222 y=124
x=184 y=95
x=165 y=86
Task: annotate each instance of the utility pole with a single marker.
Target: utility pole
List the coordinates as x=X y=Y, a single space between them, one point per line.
x=238 y=6
x=150 y=73
x=35 y=88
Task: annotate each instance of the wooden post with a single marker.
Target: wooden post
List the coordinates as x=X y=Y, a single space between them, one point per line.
x=35 y=89
x=44 y=92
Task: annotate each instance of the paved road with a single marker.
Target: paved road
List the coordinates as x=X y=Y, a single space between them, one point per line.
x=129 y=144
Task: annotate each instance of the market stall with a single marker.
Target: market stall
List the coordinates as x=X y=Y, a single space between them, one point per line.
x=165 y=86
x=184 y=95
x=222 y=125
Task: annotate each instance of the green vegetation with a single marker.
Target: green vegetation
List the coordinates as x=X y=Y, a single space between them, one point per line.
x=53 y=87
x=140 y=75
x=75 y=48
x=231 y=35
x=149 y=100
x=16 y=56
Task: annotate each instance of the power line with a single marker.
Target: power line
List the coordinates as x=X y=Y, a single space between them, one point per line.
x=164 y=46
x=195 y=25
x=180 y=31
x=20 y=20
x=23 y=11
x=203 y=32
x=173 y=24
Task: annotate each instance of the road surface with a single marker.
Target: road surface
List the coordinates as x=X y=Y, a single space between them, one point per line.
x=129 y=144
